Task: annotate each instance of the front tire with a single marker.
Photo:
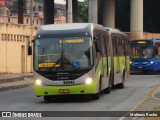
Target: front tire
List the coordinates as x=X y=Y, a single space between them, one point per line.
x=145 y=71
x=47 y=98
x=108 y=90
x=121 y=85
x=97 y=95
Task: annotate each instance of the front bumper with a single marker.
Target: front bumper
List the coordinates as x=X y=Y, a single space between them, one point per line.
x=141 y=67
x=68 y=90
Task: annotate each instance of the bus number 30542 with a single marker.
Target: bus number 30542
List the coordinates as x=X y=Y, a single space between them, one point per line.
x=68 y=82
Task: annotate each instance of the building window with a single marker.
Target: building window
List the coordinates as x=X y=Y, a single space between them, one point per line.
x=27 y=20
x=9 y=20
x=21 y=38
x=8 y=37
x=11 y=37
x=34 y=8
x=14 y=37
x=5 y=37
x=2 y=37
x=39 y=8
x=17 y=37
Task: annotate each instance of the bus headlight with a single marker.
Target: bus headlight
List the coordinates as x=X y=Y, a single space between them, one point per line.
x=88 y=81
x=130 y=62
x=152 y=62
x=39 y=82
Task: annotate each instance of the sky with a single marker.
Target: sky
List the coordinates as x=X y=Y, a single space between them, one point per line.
x=63 y=1
x=60 y=1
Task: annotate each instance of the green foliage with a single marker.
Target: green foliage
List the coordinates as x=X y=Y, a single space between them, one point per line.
x=82 y=11
x=14 y=7
x=0 y=12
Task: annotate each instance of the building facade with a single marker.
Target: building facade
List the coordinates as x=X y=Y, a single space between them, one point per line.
x=14 y=42
x=35 y=18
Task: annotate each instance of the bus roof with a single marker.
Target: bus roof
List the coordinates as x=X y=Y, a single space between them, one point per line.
x=152 y=39
x=68 y=29
x=69 y=26
x=113 y=30
x=143 y=42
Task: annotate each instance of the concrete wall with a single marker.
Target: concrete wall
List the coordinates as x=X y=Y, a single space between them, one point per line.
x=14 y=40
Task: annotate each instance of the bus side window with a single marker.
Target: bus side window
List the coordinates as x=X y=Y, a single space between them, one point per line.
x=156 y=53
x=115 y=46
x=97 y=44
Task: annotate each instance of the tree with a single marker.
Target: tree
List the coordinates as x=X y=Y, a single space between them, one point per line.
x=1 y=12
x=14 y=7
x=82 y=11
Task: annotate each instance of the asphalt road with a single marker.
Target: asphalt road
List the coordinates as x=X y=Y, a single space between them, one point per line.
x=136 y=88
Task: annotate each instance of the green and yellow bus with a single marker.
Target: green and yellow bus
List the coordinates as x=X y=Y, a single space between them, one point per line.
x=79 y=59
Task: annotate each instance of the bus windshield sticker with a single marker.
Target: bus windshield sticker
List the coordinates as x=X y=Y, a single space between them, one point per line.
x=72 y=41
x=76 y=64
x=48 y=65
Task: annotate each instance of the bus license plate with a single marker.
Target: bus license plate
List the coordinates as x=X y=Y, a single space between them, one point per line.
x=63 y=90
x=140 y=67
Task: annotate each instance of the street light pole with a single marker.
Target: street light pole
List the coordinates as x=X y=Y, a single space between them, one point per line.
x=69 y=12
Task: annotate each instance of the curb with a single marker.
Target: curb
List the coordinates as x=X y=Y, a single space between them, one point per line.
x=14 y=79
x=148 y=103
x=16 y=84
x=7 y=80
x=15 y=87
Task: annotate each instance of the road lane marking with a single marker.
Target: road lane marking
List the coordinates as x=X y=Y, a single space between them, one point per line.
x=147 y=99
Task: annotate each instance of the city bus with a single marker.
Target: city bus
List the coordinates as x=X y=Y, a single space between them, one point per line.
x=145 y=55
x=78 y=59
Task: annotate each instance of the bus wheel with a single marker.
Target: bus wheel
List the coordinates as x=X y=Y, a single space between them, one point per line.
x=47 y=98
x=145 y=71
x=97 y=95
x=108 y=90
x=121 y=85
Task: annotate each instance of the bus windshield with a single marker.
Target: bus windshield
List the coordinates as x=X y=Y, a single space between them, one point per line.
x=63 y=54
x=141 y=52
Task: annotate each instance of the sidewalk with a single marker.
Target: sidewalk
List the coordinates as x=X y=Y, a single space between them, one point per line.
x=14 y=81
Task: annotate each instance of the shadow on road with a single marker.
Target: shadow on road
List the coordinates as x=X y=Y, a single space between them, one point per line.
x=141 y=73
x=69 y=99
x=77 y=98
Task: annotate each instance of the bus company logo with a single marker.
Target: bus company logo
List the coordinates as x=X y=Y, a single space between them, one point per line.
x=63 y=78
x=6 y=114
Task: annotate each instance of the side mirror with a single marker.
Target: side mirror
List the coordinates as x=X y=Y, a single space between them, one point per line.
x=29 y=50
